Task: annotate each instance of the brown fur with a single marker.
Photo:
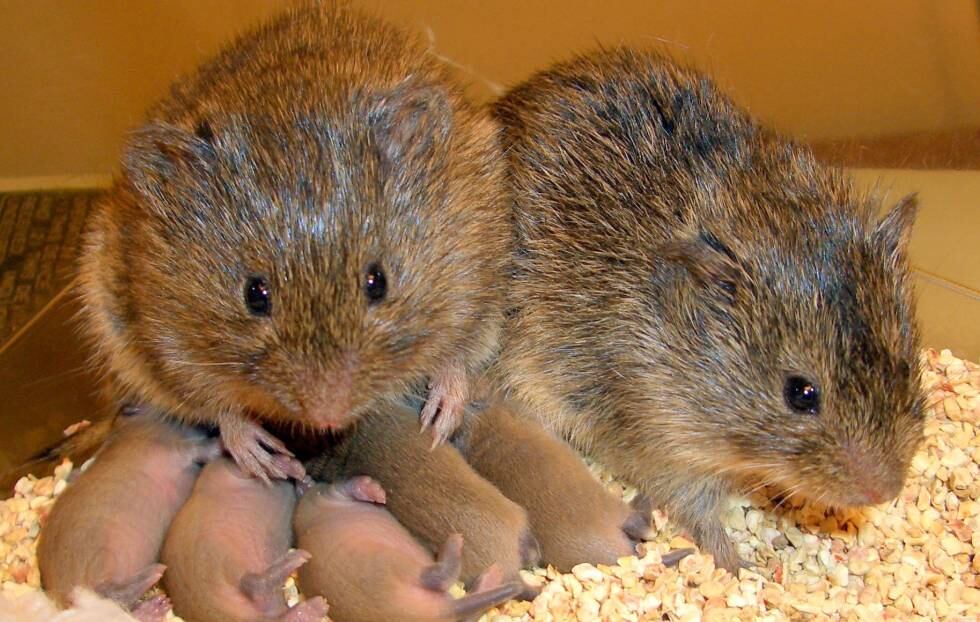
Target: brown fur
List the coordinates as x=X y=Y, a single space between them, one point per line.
x=573 y=517
x=319 y=144
x=434 y=493
x=675 y=262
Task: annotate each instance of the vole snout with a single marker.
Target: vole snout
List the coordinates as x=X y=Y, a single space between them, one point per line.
x=330 y=407
x=874 y=480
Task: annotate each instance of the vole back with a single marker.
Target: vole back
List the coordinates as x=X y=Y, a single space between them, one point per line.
x=308 y=224
x=698 y=302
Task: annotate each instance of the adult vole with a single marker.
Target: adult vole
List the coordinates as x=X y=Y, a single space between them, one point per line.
x=697 y=302
x=309 y=224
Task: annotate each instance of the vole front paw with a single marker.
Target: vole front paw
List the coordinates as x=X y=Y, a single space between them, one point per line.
x=443 y=410
x=712 y=539
x=257 y=452
x=697 y=506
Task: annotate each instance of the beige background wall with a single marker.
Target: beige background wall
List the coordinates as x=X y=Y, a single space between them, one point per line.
x=74 y=74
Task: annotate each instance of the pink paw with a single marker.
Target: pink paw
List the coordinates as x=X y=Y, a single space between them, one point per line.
x=153 y=609
x=443 y=410
x=364 y=488
x=257 y=452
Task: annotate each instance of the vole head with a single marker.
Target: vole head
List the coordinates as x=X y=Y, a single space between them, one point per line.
x=800 y=342
x=301 y=264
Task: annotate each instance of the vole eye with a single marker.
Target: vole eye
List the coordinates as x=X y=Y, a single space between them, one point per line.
x=375 y=284
x=802 y=395
x=257 y=296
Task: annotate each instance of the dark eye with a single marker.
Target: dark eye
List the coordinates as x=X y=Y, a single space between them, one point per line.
x=257 y=296
x=802 y=395
x=375 y=284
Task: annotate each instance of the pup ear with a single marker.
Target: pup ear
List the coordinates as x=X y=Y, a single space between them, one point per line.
x=408 y=121
x=895 y=229
x=710 y=263
x=157 y=153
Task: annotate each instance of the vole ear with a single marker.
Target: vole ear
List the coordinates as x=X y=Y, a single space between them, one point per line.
x=159 y=152
x=408 y=121
x=710 y=263
x=895 y=229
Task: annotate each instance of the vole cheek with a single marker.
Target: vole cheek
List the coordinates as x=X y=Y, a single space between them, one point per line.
x=403 y=347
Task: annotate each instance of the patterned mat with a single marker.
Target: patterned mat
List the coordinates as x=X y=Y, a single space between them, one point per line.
x=40 y=235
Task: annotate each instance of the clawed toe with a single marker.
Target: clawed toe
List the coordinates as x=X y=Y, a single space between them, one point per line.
x=443 y=410
x=258 y=453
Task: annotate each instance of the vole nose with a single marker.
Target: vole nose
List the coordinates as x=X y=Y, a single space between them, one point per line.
x=330 y=414
x=874 y=481
x=326 y=402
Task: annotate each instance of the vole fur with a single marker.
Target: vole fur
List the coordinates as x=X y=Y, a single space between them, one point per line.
x=309 y=224
x=697 y=302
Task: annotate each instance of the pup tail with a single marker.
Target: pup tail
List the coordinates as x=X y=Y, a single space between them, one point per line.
x=486 y=592
x=470 y=606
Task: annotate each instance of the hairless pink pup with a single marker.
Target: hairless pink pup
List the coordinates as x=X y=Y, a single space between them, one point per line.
x=106 y=530
x=228 y=551
x=371 y=569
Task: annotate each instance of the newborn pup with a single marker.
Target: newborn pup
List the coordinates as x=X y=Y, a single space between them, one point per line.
x=228 y=554
x=434 y=493
x=105 y=531
x=370 y=569
x=574 y=518
x=697 y=302
x=309 y=224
